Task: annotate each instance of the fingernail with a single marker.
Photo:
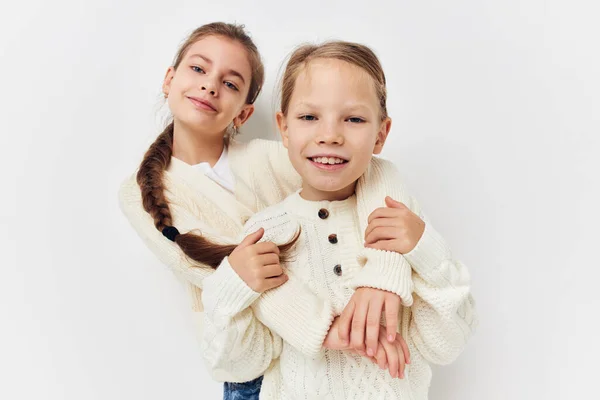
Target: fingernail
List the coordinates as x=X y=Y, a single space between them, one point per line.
x=390 y=338
x=370 y=352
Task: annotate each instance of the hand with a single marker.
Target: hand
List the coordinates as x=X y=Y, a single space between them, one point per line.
x=394 y=228
x=391 y=355
x=258 y=263
x=332 y=340
x=363 y=314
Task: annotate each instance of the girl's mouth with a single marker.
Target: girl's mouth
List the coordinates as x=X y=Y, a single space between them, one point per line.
x=328 y=163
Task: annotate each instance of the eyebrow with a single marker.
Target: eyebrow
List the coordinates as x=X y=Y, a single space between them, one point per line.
x=230 y=72
x=349 y=108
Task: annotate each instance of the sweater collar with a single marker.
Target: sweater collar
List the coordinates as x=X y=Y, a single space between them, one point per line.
x=204 y=186
x=322 y=209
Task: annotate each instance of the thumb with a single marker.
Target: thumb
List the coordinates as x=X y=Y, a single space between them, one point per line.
x=393 y=203
x=252 y=238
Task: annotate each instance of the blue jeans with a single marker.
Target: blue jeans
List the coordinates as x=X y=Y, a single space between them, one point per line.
x=242 y=391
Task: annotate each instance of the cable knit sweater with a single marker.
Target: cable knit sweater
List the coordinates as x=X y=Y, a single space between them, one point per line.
x=263 y=177
x=436 y=326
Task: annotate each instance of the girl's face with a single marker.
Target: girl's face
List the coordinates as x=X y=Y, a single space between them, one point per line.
x=208 y=89
x=332 y=128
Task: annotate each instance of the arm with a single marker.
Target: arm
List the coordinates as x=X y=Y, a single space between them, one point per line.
x=292 y=310
x=307 y=319
x=234 y=341
x=167 y=252
x=443 y=313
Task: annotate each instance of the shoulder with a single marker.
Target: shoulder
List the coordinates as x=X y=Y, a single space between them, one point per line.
x=279 y=224
x=129 y=193
x=383 y=178
x=263 y=172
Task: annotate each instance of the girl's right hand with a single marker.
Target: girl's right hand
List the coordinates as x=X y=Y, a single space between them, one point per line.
x=390 y=355
x=257 y=264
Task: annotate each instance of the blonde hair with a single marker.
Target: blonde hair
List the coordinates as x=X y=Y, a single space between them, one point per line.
x=352 y=53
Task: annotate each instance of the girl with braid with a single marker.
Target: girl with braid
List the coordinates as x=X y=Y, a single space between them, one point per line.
x=197 y=186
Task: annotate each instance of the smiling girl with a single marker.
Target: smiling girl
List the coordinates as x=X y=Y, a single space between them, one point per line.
x=333 y=119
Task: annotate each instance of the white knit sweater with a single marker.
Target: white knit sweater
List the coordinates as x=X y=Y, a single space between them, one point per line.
x=436 y=326
x=263 y=177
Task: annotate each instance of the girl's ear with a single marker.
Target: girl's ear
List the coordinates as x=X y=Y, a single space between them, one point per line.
x=283 y=128
x=166 y=87
x=245 y=113
x=382 y=134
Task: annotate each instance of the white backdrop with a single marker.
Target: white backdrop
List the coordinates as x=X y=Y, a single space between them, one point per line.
x=496 y=125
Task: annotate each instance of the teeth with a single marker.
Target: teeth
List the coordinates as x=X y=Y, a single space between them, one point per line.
x=328 y=160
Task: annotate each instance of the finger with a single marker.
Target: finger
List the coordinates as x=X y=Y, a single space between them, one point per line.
x=405 y=349
x=392 y=310
x=388 y=245
x=344 y=322
x=382 y=212
x=252 y=238
x=373 y=324
x=266 y=247
x=362 y=353
x=271 y=271
x=378 y=222
x=381 y=358
x=401 y=360
x=383 y=233
x=359 y=321
x=267 y=259
x=392 y=357
x=272 y=283
x=394 y=203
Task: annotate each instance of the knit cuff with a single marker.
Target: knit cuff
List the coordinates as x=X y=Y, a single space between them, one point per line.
x=297 y=315
x=225 y=293
x=429 y=253
x=385 y=270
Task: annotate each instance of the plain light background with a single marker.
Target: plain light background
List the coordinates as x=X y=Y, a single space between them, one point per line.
x=496 y=125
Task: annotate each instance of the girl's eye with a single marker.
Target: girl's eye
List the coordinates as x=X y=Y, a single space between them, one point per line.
x=356 y=120
x=231 y=86
x=196 y=68
x=308 y=118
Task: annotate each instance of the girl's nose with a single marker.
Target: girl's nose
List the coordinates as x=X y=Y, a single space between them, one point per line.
x=331 y=135
x=211 y=90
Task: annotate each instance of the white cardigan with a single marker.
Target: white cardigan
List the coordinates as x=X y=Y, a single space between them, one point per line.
x=263 y=177
x=436 y=327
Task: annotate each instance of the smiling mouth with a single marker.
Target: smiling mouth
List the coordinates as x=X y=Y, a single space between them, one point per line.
x=328 y=160
x=202 y=104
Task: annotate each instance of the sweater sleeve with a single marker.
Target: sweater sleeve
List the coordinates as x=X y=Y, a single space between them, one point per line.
x=443 y=314
x=166 y=251
x=380 y=269
x=292 y=310
x=234 y=341
x=244 y=330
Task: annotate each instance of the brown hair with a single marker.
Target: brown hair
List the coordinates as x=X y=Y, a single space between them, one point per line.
x=158 y=156
x=353 y=53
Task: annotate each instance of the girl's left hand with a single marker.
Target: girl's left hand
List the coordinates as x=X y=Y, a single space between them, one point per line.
x=358 y=326
x=394 y=228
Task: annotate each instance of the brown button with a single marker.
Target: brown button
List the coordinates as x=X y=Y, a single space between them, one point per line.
x=323 y=213
x=332 y=238
x=337 y=270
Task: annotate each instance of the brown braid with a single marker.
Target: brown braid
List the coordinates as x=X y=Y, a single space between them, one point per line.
x=158 y=157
